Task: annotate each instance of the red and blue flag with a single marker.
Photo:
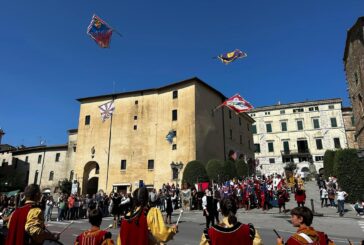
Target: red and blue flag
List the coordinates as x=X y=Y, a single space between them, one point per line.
x=100 y=31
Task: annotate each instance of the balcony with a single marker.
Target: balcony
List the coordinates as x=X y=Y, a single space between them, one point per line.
x=301 y=152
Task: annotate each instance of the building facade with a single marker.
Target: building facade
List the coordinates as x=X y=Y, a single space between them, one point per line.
x=349 y=124
x=354 y=65
x=117 y=153
x=297 y=132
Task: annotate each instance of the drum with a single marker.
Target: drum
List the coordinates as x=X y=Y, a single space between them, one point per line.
x=52 y=242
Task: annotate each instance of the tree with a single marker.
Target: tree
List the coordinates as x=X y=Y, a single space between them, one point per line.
x=229 y=170
x=329 y=158
x=348 y=170
x=65 y=186
x=290 y=167
x=214 y=169
x=194 y=172
x=241 y=168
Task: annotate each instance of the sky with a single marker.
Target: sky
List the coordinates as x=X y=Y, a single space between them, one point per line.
x=295 y=53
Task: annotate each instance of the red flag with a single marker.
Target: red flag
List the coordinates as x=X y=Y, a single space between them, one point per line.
x=238 y=104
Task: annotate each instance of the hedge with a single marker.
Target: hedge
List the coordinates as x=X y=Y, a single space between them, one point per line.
x=229 y=170
x=241 y=168
x=194 y=172
x=214 y=169
x=329 y=158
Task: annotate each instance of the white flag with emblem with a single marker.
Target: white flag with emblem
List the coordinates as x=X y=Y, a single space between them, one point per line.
x=107 y=110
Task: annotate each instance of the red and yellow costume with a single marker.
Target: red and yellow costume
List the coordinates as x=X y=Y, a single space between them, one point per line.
x=224 y=233
x=94 y=236
x=318 y=238
x=26 y=224
x=144 y=227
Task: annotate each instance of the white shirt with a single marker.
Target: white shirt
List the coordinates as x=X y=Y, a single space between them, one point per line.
x=341 y=195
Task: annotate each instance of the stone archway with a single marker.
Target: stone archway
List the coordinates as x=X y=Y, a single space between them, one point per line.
x=90 y=179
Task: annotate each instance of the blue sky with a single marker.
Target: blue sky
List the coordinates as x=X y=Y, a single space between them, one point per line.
x=47 y=61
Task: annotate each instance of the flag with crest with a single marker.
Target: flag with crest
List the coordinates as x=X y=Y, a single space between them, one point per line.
x=107 y=110
x=100 y=31
x=231 y=56
x=238 y=104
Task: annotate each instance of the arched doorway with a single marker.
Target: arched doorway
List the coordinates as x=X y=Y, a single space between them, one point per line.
x=90 y=180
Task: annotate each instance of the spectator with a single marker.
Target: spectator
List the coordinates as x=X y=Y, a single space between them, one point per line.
x=341 y=195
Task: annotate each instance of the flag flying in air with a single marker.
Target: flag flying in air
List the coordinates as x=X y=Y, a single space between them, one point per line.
x=231 y=56
x=169 y=137
x=238 y=104
x=100 y=31
x=107 y=110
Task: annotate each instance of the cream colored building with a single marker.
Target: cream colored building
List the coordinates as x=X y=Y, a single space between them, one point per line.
x=297 y=132
x=132 y=146
x=349 y=123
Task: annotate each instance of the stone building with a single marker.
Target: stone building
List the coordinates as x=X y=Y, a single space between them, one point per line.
x=297 y=132
x=349 y=124
x=354 y=65
x=116 y=153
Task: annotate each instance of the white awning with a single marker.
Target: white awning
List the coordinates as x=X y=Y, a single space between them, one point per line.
x=122 y=184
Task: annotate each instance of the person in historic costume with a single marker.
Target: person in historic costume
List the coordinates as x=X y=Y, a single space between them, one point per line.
x=26 y=224
x=94 y=236
x=301 y=217
x=300 y=197
x=208 y=208
x=169 y=206
x=144 y=225
x=230 y=231
x=283 y=197
x=186 y=197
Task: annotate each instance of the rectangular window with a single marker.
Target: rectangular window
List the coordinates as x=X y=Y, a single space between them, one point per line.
x=299 y=125
x=174 y=147
x=231 y=134
x=87 y=120
x=39 y=158
x=174 y=115
x=352 y=121
x=337 y=143
x=333 y=122
x=150 y=164
x=282 y=112
x=267 y=113
x=123 y=165
x=175 y=94
x=268 y=126
x=239 y=121
x=51 y=176
x=241 y=139
x=229 y=114
x=272 y=160
x=58 y=156
x=270 y=147
x=316 y=108
x=136 y=102
x=135 y=127
x=26 y=159
x=254 y=129
x=284 y=126
x=319 y=158
x=135 y=117
x=286 y=147
x=298 y=110
x=316 y=123
x=310 y=109
x=319 y=144
x=257 y=148
x=331 y=107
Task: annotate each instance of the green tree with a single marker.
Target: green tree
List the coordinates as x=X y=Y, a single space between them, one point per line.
x=349 y=173
x=65 y=186
x=241 y=168
x=194 y=171
x=214 y=169
x=229 y=170
x=329 y=158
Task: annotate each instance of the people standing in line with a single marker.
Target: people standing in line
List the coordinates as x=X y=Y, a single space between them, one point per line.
x=144 y=225
x=71 y=205
x=208 y=208
x=341 y=195
x=61 y=208
x=331 y=196
x=301 y=217
x=230 y=231
x=169 y=207
x=26 y=224
x=94 y=236
x=300 y=196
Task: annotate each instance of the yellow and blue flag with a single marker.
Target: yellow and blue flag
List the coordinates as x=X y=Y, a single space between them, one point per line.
x=100 y=31
x=231 y=56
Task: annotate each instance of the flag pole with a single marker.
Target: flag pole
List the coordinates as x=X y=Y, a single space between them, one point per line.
x=108 y=153
x=117 y=32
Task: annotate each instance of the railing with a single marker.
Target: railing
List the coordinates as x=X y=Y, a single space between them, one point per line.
x=295 y=152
